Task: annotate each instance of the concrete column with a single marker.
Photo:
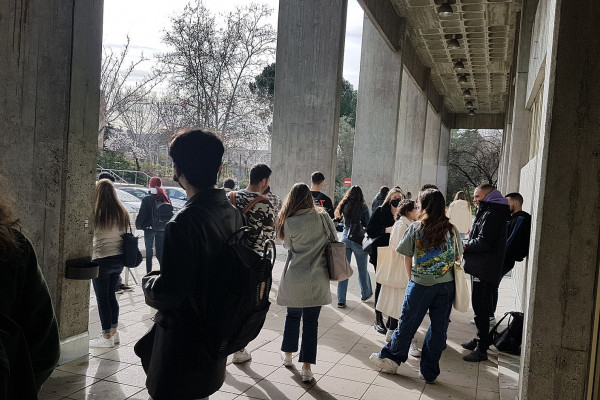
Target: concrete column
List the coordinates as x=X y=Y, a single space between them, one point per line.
x=442 y=164
x=376 y=113
x=431 y=146
x=559 y=326
x=50 y=55
x=411 y=135
x=521 y=118
x=310 y=53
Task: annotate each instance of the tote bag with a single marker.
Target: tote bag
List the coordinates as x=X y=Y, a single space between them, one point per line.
x=335 y=253
x=462 y=298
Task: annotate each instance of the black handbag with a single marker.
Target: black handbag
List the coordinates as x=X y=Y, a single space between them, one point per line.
x=367 y=243
x=356 y=233
x=132 y=256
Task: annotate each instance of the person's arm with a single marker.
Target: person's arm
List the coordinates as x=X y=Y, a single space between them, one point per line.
x=141 y=221
x=365 y=216
x=375 y=228
x=35 y=315
x=329 y=207
x=490 y=229
x=269 y=223
x=178 y=271
x=408 y=265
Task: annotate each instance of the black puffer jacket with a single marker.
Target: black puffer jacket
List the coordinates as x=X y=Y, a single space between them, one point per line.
x=190 y=265
x=484 y=250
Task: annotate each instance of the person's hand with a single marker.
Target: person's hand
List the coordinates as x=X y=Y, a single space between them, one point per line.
x=388 y=229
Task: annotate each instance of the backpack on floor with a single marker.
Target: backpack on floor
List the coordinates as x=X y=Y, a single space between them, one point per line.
x=244 y=303
x=509 y=339
x=163 y=214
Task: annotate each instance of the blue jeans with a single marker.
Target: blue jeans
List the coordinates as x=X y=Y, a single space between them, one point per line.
x=362 y=259
x=417 y=300
x=291 y=331
x=153 y=238
x=104 y=287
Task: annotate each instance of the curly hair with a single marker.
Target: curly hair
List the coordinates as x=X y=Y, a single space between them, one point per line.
x=434 y=220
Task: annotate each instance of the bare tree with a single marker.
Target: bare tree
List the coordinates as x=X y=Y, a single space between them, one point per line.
x=212 y=64
x=117 y=94
x=473 y=160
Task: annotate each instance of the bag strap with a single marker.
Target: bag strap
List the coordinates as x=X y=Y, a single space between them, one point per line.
x=253 y=202
x=326 y=228
x=232 y=198
x=494 y=330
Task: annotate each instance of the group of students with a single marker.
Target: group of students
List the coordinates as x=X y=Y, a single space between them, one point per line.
x=418 y=236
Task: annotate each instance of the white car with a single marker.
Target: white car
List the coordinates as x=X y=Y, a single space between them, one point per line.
x=177 y=195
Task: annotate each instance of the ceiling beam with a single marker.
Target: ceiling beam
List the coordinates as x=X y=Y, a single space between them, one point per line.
x=386 y=20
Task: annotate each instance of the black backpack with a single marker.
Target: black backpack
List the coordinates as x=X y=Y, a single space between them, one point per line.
x=163 y=212
x=238 y=308
x=509 y=339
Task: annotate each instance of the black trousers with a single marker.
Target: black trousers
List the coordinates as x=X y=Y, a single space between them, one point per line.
x=481 y=300
x=508 y=266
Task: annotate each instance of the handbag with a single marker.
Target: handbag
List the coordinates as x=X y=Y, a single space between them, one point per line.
x=132 y=256
x=356 y=233
x=367 y=243
x=462 y=297
x=335 y=254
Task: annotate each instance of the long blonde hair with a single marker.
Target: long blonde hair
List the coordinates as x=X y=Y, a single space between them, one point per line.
x=298 y=198
x=108 y=211
x=394 y=190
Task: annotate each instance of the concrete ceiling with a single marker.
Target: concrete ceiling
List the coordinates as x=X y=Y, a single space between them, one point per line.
x=488 y=33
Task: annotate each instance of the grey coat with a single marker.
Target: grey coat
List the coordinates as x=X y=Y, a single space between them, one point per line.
x=305 y=280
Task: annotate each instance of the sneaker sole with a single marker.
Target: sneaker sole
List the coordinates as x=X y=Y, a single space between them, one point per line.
x=381 y=366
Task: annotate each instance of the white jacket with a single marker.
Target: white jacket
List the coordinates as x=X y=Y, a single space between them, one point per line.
x=460 y=215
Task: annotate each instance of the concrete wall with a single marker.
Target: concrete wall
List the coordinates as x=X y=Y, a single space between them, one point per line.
x=442 y=164
x=431 y=146
x=310 y=52
x=564 y=261
x=376 y=113
x=50 y=54
x=411 y=135
x=541 y=39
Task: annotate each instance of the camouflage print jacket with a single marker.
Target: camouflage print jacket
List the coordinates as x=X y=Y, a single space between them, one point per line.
x=260 y=218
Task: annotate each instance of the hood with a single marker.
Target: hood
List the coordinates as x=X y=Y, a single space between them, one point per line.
x=495 y=197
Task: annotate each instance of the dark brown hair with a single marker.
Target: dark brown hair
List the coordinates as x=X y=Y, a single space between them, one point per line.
x=354 y=199
x=434 y=220
x=405 y=206
x=298 y=198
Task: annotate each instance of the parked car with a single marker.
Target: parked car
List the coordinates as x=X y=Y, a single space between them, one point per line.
x=130 y=202
x=137 y=190
x=177 y=195
x=140 y=192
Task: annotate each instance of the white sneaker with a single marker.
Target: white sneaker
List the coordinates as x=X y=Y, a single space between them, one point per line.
x=414 y=350
x=241 y=356
x=383 y=364
x=388 y=335
x=287 y=360
x=116 y=338
x=306 y=375
x=101 y=341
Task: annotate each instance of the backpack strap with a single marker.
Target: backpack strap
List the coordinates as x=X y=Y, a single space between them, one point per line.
x=252 y=203
x=232 y=198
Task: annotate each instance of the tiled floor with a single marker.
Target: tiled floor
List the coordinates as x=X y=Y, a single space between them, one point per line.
x=346 y=339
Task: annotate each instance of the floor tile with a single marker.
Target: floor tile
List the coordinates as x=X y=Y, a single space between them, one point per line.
x=342 y=387
x=102 y=390
x=63 y=383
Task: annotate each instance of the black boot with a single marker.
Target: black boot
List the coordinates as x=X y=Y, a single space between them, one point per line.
x=379 y=326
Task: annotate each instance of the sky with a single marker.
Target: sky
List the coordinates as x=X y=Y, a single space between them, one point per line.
x=146 y=20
